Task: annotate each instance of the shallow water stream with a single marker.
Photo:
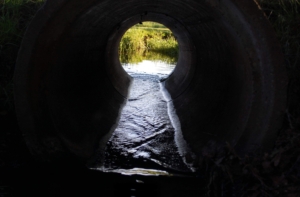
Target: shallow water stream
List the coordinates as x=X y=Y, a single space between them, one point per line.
x=144 y=137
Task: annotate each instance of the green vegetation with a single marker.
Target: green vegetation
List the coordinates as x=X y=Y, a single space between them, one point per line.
x=271 y=174
x=274 y=173
x=284 y=16
x=15 y=16
x=148 y=41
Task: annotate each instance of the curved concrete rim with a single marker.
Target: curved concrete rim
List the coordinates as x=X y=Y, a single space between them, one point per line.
x=229 y=84
x=182 y=73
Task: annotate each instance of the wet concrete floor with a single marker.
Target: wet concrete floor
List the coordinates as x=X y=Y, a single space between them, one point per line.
x=144 y=137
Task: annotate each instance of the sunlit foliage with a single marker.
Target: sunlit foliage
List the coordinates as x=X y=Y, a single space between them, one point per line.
x=151 y=41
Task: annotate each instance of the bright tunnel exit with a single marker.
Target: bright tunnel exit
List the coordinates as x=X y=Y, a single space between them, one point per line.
x=144 y=140
x=149 y=47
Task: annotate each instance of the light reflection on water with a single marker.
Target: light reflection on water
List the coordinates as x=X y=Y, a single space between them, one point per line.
x=150 y=67
x=139 y=171
x=143 y=143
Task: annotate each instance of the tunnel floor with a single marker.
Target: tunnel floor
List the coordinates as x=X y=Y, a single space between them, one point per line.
x=144 y=137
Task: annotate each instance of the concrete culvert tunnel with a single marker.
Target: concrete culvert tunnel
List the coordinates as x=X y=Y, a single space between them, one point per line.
x=229 y=84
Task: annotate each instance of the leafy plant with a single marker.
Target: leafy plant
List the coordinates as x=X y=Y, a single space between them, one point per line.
x=284 y=16
x=139 y=40
x=15 y=16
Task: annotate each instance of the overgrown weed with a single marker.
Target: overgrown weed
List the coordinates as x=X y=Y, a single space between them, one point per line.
x=277 y=172
x=284 y=16
x=149 y=36
x=15 y=16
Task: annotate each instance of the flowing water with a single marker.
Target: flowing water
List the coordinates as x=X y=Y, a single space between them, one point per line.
x=144 y=140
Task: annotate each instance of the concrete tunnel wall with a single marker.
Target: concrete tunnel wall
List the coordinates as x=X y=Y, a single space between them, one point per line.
x=229 y=83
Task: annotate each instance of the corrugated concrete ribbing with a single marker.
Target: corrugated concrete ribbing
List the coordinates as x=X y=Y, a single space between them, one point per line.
x=229 y=83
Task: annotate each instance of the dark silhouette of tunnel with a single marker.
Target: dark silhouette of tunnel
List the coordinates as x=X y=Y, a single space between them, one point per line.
x=229 y=84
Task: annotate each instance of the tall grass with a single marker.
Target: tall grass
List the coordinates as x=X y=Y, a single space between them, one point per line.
x=149 y=36
x=150 y=24
x=15 y=16
x=284 y=15
x=139 y=56
x=259 y=175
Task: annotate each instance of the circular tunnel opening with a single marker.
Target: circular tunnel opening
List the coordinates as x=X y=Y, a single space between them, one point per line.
x=149 y=47
x=182 y=52
x=228 y=86
x=144 y=135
